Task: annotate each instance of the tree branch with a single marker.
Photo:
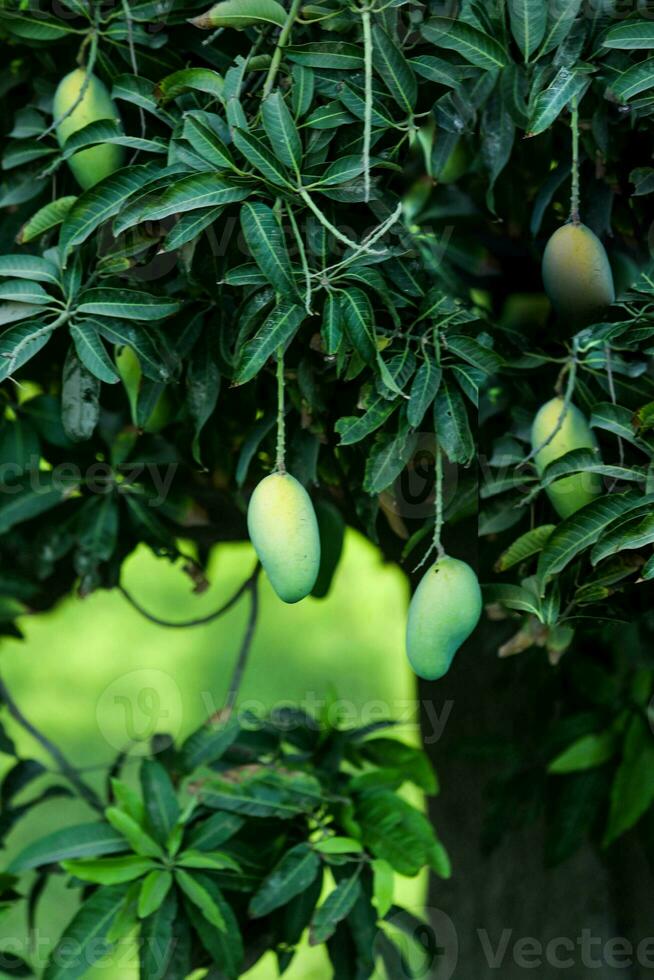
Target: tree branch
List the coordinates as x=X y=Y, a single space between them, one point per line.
x=201 y=620
x=246 y=645
x=64 y=766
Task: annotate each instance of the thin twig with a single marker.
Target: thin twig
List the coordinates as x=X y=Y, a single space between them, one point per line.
x=281 y=425
x=614 y=400
x=93 y=37
x=367 y=121
x=135 y=67
x=326 y=223
x=281 y=44
x=246 y=645
x=63 y=765
x=575 y=195
x=567 y=400
x=201 y=620
x=303 y=260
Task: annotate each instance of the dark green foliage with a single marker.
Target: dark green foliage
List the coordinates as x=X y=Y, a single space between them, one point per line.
x=237 y=873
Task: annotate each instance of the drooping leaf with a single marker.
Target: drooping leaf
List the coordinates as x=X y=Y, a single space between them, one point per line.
x=291 y=876
x=84 y=942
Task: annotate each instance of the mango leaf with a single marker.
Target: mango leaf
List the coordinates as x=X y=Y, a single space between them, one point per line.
x=107 y=131
x=394 y=69
x=99 y=203
x=241 y=14
x=206 y=142
x=524 y=547
x=225 y=947
x=562 y=16
x=20 y=343
x=513 y=597
x=632 y=792
x=265 y=240
x=586 y=753
x=635 y=534
x=334 y=55
x=27 y=502
x=281 y=131
x=138 y=839
x=452 y=425
x=615 y=419
x=190 y=193
x=153 y=892
x=386 y=461
x=633 y=35
x=580 y=531
x=589 y=461
x=92 y=352
x=84 y=942
x=332 y=324
x=358 y=317
x=108 y=870
x=45 y=218
x=31 y=267
x=353 y=429
x=83 y=840
x=278 y=329
x=160 y=799
x=383 y=886
x=336 y=907
x=202 y=388
x=162 y=941
x=567 y=85
x=208 y=743
x=195 y=890
x=423 y=391
x=126 y=304
x=473 y=44
x=260 y=155
x=214 y=831
x=291 y=876
x=528 y=24
x=189 y=80
x=639 y=78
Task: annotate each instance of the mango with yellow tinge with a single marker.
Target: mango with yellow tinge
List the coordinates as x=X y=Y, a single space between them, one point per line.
x=284 y=531
x=570 y=493
x=97 y=162
x=444 y=611
x=577 y=274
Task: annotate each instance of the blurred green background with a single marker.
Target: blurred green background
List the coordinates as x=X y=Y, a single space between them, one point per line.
x=94 y=675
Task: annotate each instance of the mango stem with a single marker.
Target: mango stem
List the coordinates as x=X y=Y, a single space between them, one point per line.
x=575 y=194
x=281 y=424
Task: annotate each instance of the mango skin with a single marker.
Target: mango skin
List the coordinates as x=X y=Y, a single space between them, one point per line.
x=92 y=165
x=284 y=531
x=571 y=493
x=444 y=611
x=577 y=274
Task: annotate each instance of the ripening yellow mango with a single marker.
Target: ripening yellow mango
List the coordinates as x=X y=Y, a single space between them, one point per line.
x=570 y=493
x=97 y=162
x=577 y=274
x=284 y=531
x=444 y=611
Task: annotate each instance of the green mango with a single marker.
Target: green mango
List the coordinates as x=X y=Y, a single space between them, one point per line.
x=129 y=369
x=570 y=493
x=284 y=531
x=577 y=274
x=444 y=611
x=92 y=165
